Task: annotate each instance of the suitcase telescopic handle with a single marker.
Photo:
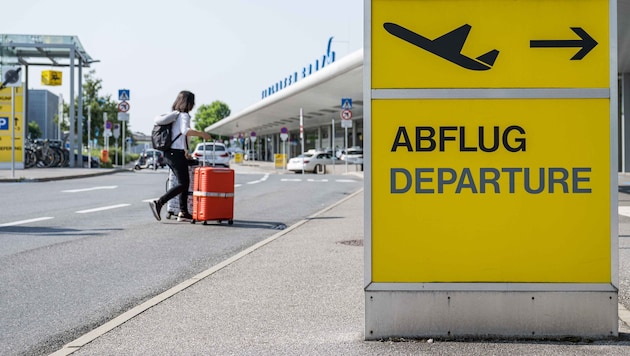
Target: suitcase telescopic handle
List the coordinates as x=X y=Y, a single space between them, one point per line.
x=203 y=161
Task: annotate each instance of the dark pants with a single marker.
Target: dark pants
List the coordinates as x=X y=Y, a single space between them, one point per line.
x=178 y=163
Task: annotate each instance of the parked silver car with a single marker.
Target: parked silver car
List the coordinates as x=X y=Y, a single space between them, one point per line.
x=215 y=153
x=310 y=162
x=354 y=155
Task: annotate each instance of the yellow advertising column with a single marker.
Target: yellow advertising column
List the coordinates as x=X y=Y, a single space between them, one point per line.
x=7 y=145
x=491 y=168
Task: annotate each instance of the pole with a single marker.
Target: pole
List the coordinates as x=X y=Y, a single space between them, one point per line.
x=302 y=137
x=345 y=138
x=124 y=143
x=13 y=132
x=104 y=132
x=332 y=143
x=89 y=137
x=60 y=116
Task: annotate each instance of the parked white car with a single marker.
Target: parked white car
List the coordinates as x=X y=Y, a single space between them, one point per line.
x=354 y=155
x=215 y=153
x=310 y=162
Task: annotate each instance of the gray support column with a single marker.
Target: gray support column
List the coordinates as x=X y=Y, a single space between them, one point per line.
x=319 y=138
x=80 y=118
x=625 y=126
x=331 y=141
x=72 y=124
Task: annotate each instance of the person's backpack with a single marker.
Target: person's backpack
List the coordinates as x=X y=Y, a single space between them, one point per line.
x=162 y=131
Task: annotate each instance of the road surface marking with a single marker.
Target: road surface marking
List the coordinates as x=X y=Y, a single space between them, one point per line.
x=101 y=208
x=88 y=189
x=21 y=222
x=264 y=178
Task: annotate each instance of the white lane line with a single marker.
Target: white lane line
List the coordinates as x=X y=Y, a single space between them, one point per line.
x=21 y=222
x=88 y=189
x=237 y=185
x=101 y=208
x=345 y=180
x=264 y=178
x=624 y=210
x=291 y=180
x=317 y=180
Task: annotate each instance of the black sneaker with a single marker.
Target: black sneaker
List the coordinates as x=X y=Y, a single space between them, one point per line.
x=156 y=208
x=184 y=216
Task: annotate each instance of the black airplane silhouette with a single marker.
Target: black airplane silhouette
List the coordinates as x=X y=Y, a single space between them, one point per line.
x=448 y=46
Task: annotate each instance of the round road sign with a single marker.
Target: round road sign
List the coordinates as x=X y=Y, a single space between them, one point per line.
x=123 y=106
x=346 y=114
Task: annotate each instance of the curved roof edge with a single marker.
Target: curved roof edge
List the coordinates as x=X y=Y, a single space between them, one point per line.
x=346 y=64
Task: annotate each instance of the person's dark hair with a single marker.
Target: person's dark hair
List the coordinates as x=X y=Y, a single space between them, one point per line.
x=185 y=101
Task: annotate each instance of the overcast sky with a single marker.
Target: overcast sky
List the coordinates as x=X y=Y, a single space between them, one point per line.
x=227 y=50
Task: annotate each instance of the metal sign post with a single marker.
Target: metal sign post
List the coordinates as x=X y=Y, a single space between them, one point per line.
x=12 y=120
x=89 y=137
x=302 y=137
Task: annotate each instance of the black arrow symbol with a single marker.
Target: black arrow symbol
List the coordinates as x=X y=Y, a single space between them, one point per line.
x=586 y=42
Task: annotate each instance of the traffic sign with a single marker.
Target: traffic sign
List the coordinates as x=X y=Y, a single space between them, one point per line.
x=346 y=103
x=11 y=76
x=346 y=114
x=123 y=116
x=123 y=106
x=4 y=123
x=284 y=133
x=116 y=131
x=51 y=77
x=536 y=49
x=123 y=94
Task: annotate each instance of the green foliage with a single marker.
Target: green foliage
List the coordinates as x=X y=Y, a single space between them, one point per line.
x=99 y=105
x=33 y=130
x=206 y=115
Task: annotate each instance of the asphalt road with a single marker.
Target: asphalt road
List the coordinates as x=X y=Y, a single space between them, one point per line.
x=77 y=253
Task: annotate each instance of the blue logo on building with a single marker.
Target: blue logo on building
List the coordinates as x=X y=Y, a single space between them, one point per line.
x=327 y=58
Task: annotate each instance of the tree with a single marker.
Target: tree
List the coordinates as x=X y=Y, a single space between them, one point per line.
x=34 y=131
x=206 y=115
x=98 y=106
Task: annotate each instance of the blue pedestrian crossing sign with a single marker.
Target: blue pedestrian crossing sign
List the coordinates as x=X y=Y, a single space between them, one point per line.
x=123 y=94
x=346 y=103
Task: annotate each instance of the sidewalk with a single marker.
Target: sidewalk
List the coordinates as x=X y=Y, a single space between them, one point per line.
x=51 y=174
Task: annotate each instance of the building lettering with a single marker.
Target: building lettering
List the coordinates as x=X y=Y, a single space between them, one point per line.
x=327 y=58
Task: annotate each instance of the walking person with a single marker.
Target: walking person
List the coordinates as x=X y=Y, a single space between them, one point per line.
x=177 y=156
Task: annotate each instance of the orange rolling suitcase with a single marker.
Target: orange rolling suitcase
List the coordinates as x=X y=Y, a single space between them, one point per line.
x=213 y=195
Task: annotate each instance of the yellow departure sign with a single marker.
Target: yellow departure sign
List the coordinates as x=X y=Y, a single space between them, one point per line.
x=490 y=139
x=493 y=44
x=505 y=190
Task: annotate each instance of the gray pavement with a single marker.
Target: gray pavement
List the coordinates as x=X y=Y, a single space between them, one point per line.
x=300 y=292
